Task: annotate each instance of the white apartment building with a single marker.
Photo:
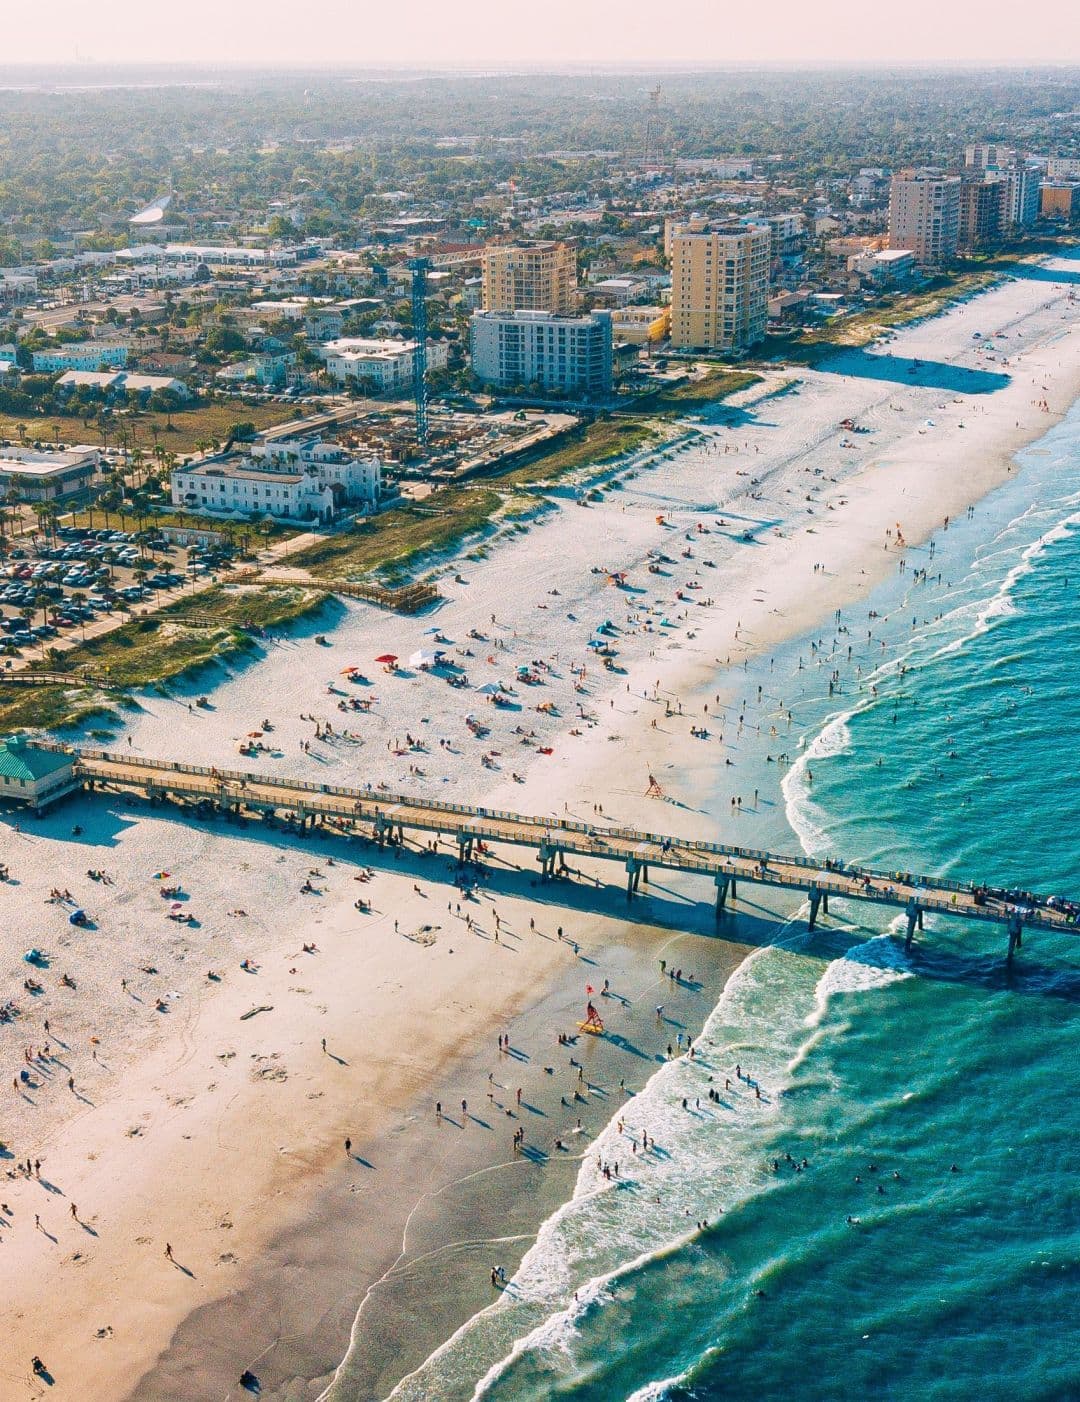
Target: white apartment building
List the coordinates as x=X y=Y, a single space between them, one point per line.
x=387 y=364
x=562 y=354
x=788 y=230
x=1063 y=168
x=719 y=286
x=225 y=487
x=924 y=215
x=354 y=481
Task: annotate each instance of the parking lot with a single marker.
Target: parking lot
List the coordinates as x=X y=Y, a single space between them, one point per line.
x=54 y=591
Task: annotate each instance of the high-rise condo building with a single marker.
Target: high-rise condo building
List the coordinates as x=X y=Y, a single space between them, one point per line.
x=1019 y=195
x=529 y=277
x=719 y=286
x=982 y=199
x=924 y=215
x=560 y=354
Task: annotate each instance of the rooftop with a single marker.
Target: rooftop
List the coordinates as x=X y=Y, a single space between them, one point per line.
x=360 y=348
x=241 y=473
x=41 y=463
x=21 y=760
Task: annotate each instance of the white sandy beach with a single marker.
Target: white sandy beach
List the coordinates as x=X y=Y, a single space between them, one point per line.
x=194 y=1126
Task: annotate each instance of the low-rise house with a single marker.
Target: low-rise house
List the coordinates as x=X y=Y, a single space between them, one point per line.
x=639 y=326
x=117 y=381
x=885 y=268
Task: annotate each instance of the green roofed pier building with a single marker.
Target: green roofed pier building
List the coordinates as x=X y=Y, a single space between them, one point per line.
x=33 y=776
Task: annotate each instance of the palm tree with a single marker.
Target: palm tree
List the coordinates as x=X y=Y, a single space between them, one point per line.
x=109 y=501
x=79 y=597
x=46 y=514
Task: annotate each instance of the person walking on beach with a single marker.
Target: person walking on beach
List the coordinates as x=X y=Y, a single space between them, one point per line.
x=348 y=1146
x=168 y=1251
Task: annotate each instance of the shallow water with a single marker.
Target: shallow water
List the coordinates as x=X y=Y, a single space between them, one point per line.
x=882 y=1070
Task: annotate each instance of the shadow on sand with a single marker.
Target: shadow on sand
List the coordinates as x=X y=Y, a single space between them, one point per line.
x=750 y=921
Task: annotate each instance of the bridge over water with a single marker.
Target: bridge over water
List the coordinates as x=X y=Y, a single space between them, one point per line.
x=386 y=818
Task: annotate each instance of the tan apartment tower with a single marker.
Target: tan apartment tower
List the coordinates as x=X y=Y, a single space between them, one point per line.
x=529 y=277
x=924 y=215
x=719 y=286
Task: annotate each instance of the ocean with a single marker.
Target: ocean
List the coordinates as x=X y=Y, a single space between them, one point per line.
x=895 y=1217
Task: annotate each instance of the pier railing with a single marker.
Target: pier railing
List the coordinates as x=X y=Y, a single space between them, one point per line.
x=389 y=814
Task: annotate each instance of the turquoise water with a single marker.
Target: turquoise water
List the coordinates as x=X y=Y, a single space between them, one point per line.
x=932 y=1095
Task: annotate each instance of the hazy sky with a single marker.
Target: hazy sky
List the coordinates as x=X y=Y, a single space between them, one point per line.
x=538 y=31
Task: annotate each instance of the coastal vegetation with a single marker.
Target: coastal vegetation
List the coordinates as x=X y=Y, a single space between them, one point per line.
x=152 y=650
x=807 y=347
x=697 y=393
x=398 y=540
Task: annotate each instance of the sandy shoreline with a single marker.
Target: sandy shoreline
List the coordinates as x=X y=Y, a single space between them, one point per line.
x=196 y=1118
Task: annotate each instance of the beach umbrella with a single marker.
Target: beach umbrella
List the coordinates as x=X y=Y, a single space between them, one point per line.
x=387 y=657
x=346 y=670
x=254 y=735
x=423 y=658
x=488 y=689
x=161 y=876
x=177 y=905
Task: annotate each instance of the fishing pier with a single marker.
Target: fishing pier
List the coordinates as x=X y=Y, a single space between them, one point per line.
x=385 y=818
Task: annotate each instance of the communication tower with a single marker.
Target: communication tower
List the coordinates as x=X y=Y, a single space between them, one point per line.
x=650 y=152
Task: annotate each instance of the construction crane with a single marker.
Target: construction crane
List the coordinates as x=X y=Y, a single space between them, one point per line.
x=419 y=267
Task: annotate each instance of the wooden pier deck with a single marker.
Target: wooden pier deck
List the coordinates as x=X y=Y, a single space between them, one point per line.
x=386 y=817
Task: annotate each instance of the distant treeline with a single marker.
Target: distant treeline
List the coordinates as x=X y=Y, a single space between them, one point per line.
x=87 y=159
